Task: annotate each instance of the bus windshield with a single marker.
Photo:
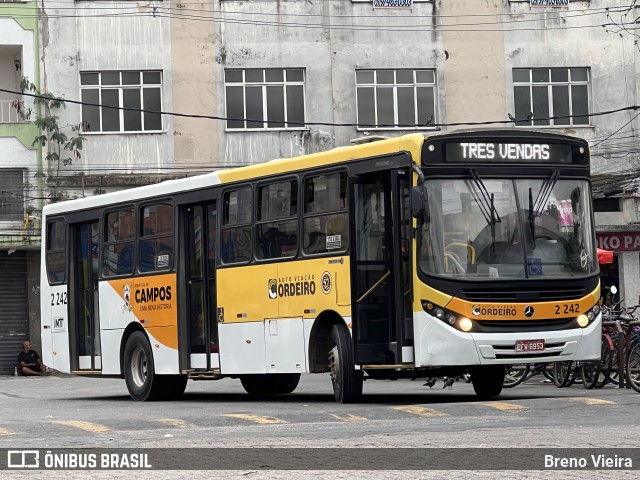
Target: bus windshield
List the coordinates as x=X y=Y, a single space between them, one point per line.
x=504 y=228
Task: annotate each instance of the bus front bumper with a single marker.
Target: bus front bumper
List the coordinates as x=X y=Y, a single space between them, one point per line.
x=438 y=344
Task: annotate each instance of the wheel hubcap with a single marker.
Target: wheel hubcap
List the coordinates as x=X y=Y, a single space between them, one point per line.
x=139 y=367
x=334 y=364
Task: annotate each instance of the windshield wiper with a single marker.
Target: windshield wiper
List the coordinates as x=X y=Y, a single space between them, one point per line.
x=545 y=192
x=541 y=199
x=485 y=200
x=486 y=203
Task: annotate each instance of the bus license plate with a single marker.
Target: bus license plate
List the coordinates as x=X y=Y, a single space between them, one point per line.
x=530 y=346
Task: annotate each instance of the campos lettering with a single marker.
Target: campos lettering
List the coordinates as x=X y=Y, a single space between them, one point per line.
x=153 y=294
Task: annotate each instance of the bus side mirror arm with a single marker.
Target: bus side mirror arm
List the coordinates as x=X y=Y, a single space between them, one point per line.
x=419 y=207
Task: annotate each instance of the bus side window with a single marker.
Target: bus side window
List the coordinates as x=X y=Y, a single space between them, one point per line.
x=325 y=226
x=156 y=238
x=55 y=251
x=235 y=241
x=119 y=238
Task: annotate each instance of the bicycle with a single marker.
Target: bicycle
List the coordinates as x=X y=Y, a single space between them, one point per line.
x=518 y=373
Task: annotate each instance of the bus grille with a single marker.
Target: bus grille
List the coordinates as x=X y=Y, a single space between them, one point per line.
x=522 y=326
x=514 y=294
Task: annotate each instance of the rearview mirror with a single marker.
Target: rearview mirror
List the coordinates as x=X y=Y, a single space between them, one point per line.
x=417 y=203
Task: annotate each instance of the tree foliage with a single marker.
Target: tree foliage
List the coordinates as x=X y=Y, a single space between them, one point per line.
x=60 y=148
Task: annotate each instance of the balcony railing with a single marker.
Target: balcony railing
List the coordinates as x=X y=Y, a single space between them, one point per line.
x=8 y=111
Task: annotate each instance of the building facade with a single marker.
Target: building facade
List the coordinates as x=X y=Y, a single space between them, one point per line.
x=21 y=186
x=242 y=82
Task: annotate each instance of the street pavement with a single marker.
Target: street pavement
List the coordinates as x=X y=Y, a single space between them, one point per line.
x=72 y=412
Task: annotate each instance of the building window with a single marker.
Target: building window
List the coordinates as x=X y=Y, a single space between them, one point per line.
x=551 y=96
x=395 y=99
x=607 y=205
x=265 y=98
x=140 y=91
x=12 y=195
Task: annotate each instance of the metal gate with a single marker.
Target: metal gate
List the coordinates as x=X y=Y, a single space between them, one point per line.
x=14 y=320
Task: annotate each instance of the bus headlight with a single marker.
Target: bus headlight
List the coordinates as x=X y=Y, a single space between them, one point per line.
x=465 y=324
x=448 y=317
x=582 y=320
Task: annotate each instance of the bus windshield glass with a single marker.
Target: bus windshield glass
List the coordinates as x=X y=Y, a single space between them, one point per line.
x=503 y=228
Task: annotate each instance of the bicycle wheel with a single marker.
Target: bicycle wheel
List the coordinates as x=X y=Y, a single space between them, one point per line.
x=633 y=367
x=514 y=375
x=561 y=373
x=590 y=372
x=613 y=371
x=547 y=371
x=608 y=354
x=573 y=375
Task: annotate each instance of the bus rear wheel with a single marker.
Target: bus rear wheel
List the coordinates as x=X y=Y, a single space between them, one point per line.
x=270 y=384
x=487 y=380
x=346 y=380
x=139 y=373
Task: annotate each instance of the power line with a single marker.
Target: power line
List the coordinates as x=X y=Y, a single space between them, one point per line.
x=324 y=124
x=163 y=12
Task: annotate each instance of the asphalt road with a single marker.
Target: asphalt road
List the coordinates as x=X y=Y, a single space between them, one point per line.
x=72 y=412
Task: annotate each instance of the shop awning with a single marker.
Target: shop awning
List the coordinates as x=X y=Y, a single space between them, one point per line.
x=605 y=257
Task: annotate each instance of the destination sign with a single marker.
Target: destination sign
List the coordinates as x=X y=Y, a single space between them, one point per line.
x=507 y=152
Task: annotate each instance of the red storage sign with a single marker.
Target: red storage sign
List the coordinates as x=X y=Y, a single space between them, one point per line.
x=619 y=242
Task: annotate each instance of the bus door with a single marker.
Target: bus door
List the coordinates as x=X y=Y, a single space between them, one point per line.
x=201 y=287
x=380 y=263
x=84 y=325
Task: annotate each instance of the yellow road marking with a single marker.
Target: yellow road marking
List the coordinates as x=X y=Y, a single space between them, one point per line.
x=348 y=418
x=592 y=401
x=422 y=411
x=175 y=422
x=255 y=418
x=505 y=407
x=4 y=431
x=86 y=426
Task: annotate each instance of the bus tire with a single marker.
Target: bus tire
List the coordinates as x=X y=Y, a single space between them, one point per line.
x=487 y=380
x=270 y=384
x=142 y=382
x=178 y=383
x=346 y=380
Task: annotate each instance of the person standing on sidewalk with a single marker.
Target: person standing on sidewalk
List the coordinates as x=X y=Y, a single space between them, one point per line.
x=29 y=360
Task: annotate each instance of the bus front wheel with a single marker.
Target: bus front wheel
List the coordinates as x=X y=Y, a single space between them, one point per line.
x=139 y=373
x=488 y=380
x=346 y=380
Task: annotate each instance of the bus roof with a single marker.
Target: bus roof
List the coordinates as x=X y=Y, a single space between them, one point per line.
x=223 y=176
x=409 y=142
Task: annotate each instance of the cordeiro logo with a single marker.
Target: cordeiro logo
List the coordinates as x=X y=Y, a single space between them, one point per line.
x=326 y=283
x=273 y=288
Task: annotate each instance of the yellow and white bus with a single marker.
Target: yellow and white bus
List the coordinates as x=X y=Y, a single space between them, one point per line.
x=411 y=257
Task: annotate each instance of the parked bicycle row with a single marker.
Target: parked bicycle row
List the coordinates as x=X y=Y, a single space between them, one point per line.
x=619 y=360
